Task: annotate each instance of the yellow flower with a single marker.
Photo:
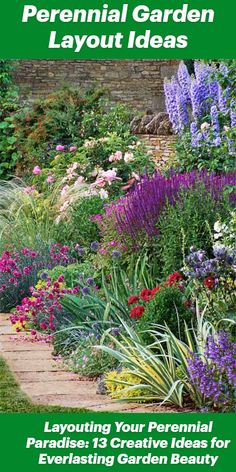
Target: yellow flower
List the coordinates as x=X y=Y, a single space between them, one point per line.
x=17 y=325
x=41 y=284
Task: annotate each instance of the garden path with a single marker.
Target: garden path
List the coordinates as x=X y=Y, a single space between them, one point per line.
x=45 y=380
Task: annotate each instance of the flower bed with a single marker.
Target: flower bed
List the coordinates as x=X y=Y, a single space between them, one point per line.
x=130 y=272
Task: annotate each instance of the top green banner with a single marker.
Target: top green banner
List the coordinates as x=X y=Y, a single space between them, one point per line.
x=114 y=29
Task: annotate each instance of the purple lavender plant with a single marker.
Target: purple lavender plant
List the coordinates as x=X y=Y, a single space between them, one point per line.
x=137 y=213
x=214 y=373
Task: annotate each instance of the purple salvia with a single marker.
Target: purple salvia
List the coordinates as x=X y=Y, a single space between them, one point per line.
x=138 y=212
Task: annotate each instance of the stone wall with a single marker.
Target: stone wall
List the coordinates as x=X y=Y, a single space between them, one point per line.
x=162 y=148
x=138 y=83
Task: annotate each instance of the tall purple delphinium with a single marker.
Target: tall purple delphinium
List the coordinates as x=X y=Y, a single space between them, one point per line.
x=215 y=121
x=223 y=100
x=171 y=104
x=214 y=91
x=196 y=135
x=196 y=100
x=182 y=107
x=214 y=374
x=233 y=114
x=200 y=98
x=138 y=212
x=184 y=82
x=202 y=72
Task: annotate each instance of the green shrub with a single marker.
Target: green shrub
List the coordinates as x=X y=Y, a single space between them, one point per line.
x=71 y=273
x=79 y=226
x=9 y=103
x=167 y=307
x=188 y=223
x=89 y=361
x=56 y=119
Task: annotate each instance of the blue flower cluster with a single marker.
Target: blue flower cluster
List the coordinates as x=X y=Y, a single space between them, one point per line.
x=214 y=374
x=192 y=100
x=198 y=265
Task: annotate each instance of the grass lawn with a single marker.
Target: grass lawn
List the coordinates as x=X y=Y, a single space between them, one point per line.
x=13 y=400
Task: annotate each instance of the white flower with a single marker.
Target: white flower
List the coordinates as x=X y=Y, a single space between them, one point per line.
x=128 y=157
x=103 y=194
x=89 y=143
x=136 y=176
x=217 y=226
x=205 y=126
x=117 y=156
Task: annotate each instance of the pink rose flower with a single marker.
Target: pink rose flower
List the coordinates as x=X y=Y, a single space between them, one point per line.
x=50 y=179
x=60 y=147
x=110 y=175
x=117 y=156
x=36 y=170
x=73 y=149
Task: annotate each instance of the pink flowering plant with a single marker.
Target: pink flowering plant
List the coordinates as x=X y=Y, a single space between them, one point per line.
x=19 y=269
x=42 y=310
x=110 y=164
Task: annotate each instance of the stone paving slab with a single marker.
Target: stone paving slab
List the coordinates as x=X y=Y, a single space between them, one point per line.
x=6 y=330
x=28 y=355
x=60 y=387
x=103 y=405
x=33 y=365
x=8 y=346
x=47 y=376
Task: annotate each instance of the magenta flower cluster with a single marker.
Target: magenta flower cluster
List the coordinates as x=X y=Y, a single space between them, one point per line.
x=19 y=269
x=137 y=213
x=214 y=375
x=42 y=310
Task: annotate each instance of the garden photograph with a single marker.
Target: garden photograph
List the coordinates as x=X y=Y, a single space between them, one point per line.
x=118 y=236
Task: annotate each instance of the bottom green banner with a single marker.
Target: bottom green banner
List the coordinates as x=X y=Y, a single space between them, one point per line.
x=102 y=441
